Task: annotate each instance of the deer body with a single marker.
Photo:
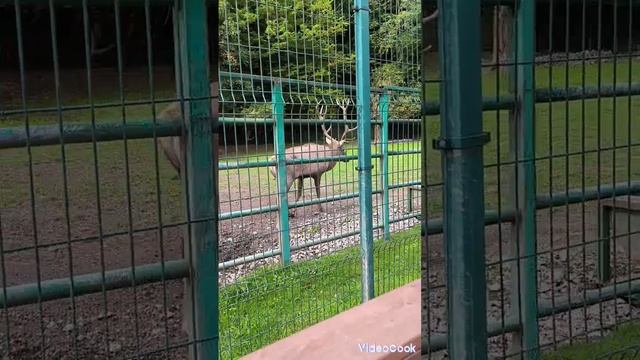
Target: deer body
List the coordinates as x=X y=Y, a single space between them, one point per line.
x=173 y=146
x=308 y=170
x=314 y=170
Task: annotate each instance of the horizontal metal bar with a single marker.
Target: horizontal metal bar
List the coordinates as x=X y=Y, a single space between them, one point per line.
x=546 y=308
x=590 y=92
x=488 y=104
x=257 y=164
x=402 y=89
x=549 y=95
x=92 y=283
x=434 y=226
x=16 y=137
x=574 y=196
x=284 y=81
x=74 y=133
x=80 y=133
x=266 y=209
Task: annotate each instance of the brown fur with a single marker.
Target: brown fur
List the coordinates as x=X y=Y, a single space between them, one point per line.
x=173 y=147
x=309 y=170
x=333 y=148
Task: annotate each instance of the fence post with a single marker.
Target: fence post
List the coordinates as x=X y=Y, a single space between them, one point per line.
x=363 y=103
x=277 y=102
x=384 y=161
x=463 y=171
x=202 y=197
x=523 y=192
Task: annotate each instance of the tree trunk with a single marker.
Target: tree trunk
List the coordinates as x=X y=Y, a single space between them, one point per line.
x=502 y=34
x=494 y=42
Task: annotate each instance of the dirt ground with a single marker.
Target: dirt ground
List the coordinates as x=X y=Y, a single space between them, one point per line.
x=568 y=270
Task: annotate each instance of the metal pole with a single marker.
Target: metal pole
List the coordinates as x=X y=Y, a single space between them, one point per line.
x=424 y=208
x=384 y=162
x=363 y=102
x=202 y=250
x=277 y=102
x=461 y=145
x=522 y=142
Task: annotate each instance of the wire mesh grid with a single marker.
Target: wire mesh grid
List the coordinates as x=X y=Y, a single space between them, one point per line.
x=81 y=216
x=584 y=142
x=288 y=88
x=109 y=194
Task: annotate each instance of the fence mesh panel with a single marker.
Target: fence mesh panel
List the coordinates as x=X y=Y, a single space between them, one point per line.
x=585 y=141
x=305 y=53
x=106 y=204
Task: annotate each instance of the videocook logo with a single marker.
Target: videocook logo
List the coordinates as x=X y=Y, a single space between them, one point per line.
x=376 y=348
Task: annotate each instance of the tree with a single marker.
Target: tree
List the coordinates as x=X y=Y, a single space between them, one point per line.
x=502 y=22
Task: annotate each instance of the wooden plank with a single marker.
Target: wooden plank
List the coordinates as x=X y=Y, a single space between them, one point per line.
x=390 y=319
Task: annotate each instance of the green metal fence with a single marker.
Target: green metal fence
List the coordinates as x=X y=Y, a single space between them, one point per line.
x=295 y=67
x=562 y=146
x=82 y=216
x=109 y=192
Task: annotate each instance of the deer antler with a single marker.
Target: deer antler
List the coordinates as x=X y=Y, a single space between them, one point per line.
x=344 y=105
x=327 y=131
x=347 y=130
x=321 y=110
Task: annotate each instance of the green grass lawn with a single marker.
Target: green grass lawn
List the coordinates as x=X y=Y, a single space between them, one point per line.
x=275 y=302
x=623 y=343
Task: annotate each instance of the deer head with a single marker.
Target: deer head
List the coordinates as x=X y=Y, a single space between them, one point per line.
x=331 y=141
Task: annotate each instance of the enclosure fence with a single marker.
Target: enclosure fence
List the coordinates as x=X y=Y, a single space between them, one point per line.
x=135 y=222
x=293 y=159
x=539 y=151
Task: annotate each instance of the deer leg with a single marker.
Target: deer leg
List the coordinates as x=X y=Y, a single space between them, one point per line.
x=289 y=183
x=300 y=187
x=316 y=181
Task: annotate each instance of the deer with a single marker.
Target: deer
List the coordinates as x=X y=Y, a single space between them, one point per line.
x=333 y=148
x=173 y=146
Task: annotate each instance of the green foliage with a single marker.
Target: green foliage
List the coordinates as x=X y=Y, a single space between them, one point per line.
x=387 y=75
x=257 y=110
x=314 y=40
x=395 y=37
x=401 y=106
x=285 y=37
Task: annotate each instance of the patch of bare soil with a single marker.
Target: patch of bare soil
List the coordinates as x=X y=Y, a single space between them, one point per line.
x=566 y=264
